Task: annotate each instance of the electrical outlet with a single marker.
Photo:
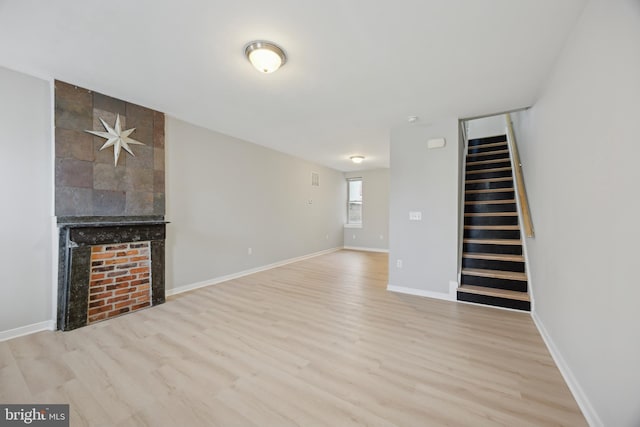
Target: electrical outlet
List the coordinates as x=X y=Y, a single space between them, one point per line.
x=399 y=263
x=354 y=237
x=249 y=251
x=326 y=237
x=415 y=216
x=381 y=237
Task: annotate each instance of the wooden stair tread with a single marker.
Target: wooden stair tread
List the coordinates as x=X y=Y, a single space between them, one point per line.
x=486 y=162
x=495 y=274
x=493 y=144
x=504 y=169
x=490 y=190
x=493 y=241
x=488 y=153
x=477 y=181
x=491 y=292
x=489 y=202
x=514 y=213
x=493 y=257
x=492 y=227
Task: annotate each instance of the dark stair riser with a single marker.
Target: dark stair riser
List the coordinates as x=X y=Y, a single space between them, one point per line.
x=490 y=220
x=481 y=149
x=489 y=185
x=497 y=195
x=492 y=264
x=491 y=234
x=488 y=156
x=492 y=249
x=477 y=169
x=491 y=282
x=502 y=164
x=487 y=140
x=489 y=175
x=490 y=207
x=495 y=301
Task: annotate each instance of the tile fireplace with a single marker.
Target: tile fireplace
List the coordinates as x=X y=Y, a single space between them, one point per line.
x=109 y=205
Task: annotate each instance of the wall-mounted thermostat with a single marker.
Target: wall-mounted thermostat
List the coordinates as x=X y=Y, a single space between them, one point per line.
x=436 y=143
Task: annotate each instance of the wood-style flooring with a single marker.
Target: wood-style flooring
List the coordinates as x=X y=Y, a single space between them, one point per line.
x=317 y=343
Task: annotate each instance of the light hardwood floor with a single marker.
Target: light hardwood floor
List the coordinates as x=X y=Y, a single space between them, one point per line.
x=316 y=343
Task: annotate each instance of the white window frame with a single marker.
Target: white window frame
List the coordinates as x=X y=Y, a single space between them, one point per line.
x=354 y=224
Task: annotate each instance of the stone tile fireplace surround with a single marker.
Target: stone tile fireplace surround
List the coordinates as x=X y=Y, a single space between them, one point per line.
x=110 y=214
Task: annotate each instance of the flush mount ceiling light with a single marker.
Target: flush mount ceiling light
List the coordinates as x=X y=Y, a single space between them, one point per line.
x=265 y=56
x=357 y=159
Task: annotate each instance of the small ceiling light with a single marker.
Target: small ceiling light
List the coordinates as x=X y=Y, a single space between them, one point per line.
x=265 y=56
x=412 y=119
x=357 y=159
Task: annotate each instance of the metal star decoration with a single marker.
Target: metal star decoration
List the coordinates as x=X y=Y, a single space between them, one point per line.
x=117 y=138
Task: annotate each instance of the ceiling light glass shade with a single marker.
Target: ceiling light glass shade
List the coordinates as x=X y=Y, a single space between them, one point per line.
x=357 y=159
x=266 y=57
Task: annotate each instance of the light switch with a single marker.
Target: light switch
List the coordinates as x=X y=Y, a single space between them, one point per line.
x=415 y=216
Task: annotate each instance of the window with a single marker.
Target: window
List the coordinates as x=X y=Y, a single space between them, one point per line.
x=354 y=201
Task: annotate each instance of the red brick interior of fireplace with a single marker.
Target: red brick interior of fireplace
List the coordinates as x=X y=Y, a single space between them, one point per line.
x=120 y=279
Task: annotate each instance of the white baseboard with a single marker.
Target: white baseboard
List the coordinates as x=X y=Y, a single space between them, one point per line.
x=422 y=293
x=47 y=325
x=359 y=248
x=581 y=398
x=232 y=276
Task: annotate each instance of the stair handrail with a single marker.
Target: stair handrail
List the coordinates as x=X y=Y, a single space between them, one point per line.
x=517 y=169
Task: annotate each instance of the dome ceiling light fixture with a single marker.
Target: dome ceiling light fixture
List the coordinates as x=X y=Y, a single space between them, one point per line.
x=357 y=159
x=265 y=56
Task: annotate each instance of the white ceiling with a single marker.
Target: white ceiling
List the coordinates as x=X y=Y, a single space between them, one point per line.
x=356 y=68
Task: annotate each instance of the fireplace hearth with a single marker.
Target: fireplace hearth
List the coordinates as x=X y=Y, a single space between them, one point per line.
x=108 y=266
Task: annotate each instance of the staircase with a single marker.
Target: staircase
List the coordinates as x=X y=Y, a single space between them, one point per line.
x=493 y=266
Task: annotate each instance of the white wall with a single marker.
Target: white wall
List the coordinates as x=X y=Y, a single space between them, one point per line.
x=426 y=181
x=580 y=148
x=26 y=200
x=374 y=233
x=225 y=195
x=486 y=126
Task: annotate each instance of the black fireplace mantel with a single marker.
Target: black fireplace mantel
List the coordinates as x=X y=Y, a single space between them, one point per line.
x=77 y=235
x=78 y=221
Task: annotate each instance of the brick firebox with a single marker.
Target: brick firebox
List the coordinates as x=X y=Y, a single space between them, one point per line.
x=120 y=280
x=108 y=267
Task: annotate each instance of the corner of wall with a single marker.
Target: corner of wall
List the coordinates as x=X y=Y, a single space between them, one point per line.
x=424 y=180
x=585 y=405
